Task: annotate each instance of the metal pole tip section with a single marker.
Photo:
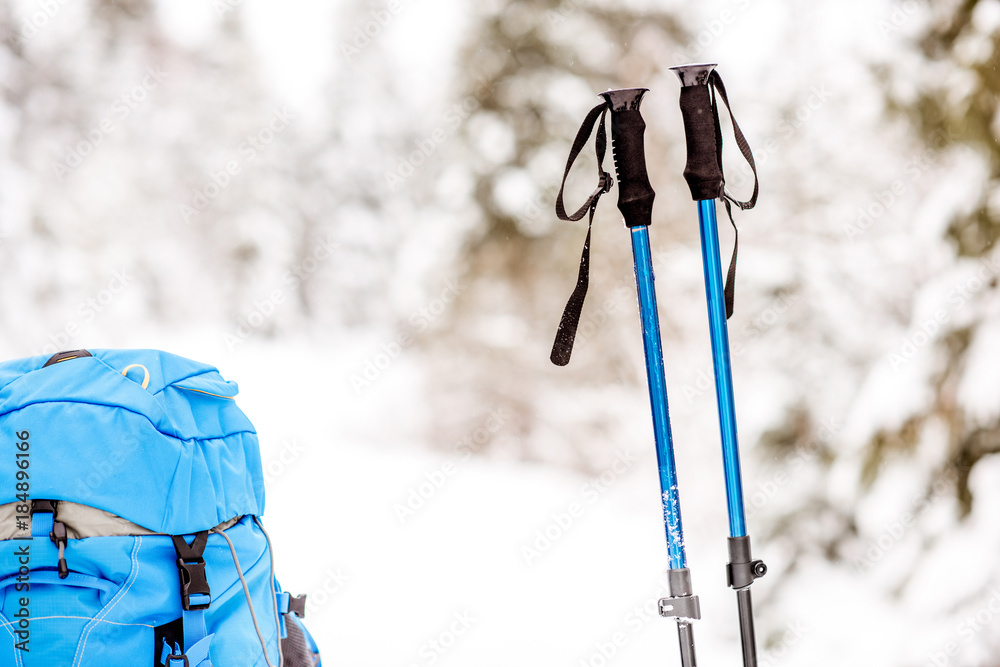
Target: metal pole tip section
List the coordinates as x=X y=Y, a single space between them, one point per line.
x=686 y=637
x=624 y=99
x=694 y=75
x=747 y=635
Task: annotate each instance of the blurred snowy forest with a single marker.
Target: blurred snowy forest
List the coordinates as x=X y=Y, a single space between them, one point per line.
x=357 y=197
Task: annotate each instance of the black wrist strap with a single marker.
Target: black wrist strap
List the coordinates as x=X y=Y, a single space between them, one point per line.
x=562 y=347
x=717 y=87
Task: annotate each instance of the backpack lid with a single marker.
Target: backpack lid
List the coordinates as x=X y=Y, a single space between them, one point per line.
x=164 y=446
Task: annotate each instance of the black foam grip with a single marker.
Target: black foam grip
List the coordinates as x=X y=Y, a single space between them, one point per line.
x=635 y=194
x=703 y=172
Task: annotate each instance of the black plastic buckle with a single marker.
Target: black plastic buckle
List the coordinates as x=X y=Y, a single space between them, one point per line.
x=174 y=656
x=38 y=505
x=193 y=582
x=297 y=605
x=606 y=182
x=191 y=567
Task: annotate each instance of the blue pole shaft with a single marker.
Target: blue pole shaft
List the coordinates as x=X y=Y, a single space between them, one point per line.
x=658 y=397
x=723 y=371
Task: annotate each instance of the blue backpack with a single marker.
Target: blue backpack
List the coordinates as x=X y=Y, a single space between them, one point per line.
x=131 y=492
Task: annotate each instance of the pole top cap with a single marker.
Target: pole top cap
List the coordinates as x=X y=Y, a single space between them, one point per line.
x=694 y=75
x=624 y=99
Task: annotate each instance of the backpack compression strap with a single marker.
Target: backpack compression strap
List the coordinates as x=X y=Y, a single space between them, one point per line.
x=44 y=524
x=562 y=347
x=195 y=599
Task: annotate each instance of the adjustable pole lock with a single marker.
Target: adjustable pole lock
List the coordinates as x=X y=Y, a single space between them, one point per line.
x=681 y=604
x=742 y=570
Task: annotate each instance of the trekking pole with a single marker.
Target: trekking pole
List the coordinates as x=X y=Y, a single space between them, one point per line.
x=699 y=86
x=635 y=201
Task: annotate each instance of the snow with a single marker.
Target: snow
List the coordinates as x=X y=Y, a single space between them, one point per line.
x=513 y=555
x=593 y=552
x=979 y=391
